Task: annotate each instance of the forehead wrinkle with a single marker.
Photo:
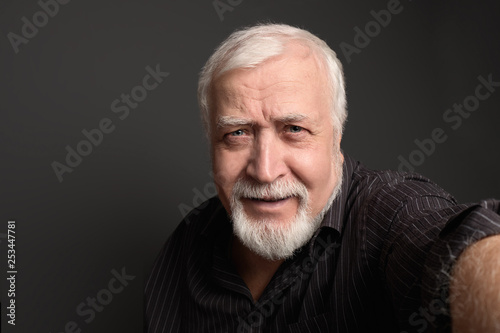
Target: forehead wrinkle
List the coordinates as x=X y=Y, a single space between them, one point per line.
x=270 y=91
x=284 y=82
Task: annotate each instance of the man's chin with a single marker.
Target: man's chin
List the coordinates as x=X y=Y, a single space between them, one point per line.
x=270 y=222
x=273 y=239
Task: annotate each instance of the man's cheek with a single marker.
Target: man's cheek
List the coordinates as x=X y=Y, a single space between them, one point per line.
x=228 y=165
x=222 y=191
x=223 y=183
x=224 y=187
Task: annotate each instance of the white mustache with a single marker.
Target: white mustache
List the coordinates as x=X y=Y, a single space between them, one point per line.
x=278 y=190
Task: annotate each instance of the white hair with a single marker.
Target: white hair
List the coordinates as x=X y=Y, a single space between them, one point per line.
x=251 y=46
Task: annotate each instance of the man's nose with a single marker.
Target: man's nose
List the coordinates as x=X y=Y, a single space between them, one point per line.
x=267 y=161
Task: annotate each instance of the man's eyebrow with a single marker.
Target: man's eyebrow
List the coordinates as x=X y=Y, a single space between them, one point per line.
x=228 y=121
x=290 y=118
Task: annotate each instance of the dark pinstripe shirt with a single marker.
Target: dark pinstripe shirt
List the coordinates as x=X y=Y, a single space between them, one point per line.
x=379 y=263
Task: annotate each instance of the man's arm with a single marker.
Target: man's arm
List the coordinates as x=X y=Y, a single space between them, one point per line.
x=475 y=288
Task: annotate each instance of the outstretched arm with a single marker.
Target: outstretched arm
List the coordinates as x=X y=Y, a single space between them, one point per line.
x=475 y=288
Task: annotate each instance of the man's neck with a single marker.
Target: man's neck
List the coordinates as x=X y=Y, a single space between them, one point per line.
x=255 y=270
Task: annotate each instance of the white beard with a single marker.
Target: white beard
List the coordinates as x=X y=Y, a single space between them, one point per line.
x=267 y=238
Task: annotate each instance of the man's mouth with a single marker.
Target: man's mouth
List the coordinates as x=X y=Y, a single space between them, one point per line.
x=270 y=199
x=267 y=205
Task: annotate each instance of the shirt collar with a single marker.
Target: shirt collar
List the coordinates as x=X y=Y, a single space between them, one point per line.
x=216 y=215
x=334 y=217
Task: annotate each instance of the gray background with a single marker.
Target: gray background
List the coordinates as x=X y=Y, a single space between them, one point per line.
x=120 y=204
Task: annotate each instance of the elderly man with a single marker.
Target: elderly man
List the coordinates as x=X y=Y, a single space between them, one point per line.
x=301 y=237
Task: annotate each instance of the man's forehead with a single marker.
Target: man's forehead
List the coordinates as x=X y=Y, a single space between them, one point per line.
x=280 y=84
x=280 y=89
x=234 y=93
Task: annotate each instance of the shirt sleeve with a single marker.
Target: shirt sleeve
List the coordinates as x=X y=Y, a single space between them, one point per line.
x=468 y=226
x=426 y=232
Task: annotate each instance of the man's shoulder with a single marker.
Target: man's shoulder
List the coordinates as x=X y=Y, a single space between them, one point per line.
x=200 y=224
x=385 y=194
x=205 y=213
x=400 y=186
x=201 y=219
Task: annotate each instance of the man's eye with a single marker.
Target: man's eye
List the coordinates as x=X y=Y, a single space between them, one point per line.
x=295 y=129
x=237 y=133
